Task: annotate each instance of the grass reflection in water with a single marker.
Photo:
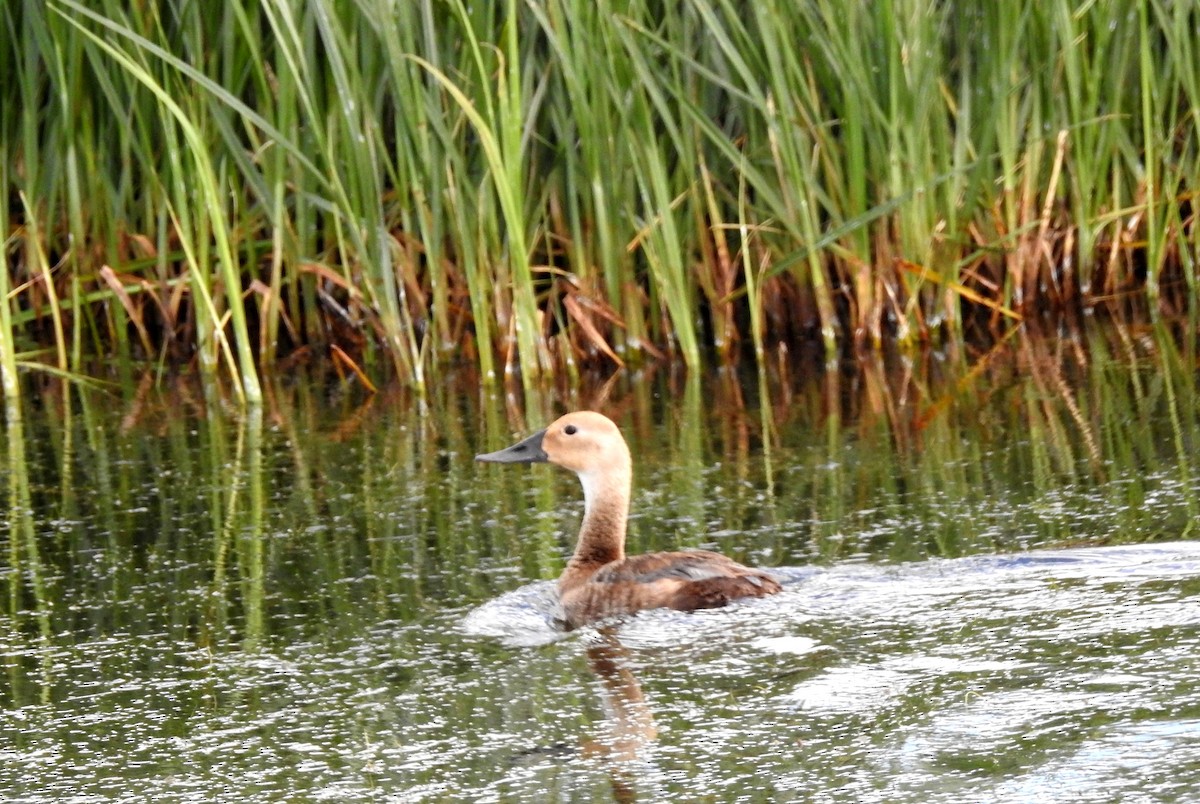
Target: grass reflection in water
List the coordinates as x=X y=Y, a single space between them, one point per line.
x=204 y=607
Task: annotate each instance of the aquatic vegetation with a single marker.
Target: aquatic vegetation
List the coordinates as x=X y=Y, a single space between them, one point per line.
x=535 y=186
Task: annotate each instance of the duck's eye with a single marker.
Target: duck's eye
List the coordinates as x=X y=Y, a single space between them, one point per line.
x=570 y=429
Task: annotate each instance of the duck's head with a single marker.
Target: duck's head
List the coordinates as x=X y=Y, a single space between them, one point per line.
x=584 y=442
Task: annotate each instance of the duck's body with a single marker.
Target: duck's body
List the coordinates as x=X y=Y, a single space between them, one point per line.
x=599 y=580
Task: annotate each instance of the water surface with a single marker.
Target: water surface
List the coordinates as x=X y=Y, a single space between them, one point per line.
x=991 y=590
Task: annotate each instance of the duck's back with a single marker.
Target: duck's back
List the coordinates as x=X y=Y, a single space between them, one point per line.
x=685 y=581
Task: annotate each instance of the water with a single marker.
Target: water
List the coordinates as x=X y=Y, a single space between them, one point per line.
x=991 y=592
x=1053 y=675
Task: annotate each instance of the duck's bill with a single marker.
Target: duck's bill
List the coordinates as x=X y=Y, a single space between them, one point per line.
x=527 y=451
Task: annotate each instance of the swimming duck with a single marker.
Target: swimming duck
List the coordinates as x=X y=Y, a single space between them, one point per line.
x=599 y=580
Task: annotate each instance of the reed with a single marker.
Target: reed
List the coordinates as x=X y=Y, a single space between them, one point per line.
x=537 y=186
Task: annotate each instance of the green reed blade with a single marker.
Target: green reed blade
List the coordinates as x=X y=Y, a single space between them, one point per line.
x=8 y=351
x=211 y=197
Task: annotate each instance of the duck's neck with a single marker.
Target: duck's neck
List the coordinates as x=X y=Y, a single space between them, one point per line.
x=605 y=510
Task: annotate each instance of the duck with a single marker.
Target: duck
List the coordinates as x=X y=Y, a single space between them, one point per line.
x=600 y=582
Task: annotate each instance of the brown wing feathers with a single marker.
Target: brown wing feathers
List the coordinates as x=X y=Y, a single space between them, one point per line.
x=684 y=581
x=713 y=593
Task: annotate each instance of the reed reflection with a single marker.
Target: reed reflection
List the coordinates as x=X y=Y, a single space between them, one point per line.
x=27 y=587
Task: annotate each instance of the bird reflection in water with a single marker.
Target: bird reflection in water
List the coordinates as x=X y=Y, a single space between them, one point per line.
x=628 y=722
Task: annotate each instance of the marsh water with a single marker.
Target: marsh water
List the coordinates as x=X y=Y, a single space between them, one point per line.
x=992 y=588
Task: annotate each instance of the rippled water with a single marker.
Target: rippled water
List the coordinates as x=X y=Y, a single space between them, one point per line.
x=1053 y=675
x=990 y=595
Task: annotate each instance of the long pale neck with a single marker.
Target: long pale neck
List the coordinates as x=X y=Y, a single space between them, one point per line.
x=605 y=511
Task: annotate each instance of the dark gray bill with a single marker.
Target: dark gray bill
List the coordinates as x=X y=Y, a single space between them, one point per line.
x=527 y=451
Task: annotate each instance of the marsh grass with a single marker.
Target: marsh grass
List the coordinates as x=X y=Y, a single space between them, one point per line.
x=537 y=186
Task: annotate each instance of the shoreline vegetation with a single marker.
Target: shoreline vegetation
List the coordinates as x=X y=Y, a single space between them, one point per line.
x=535 y=187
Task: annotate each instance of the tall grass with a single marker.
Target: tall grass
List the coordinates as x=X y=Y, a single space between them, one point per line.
x=532 y=186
